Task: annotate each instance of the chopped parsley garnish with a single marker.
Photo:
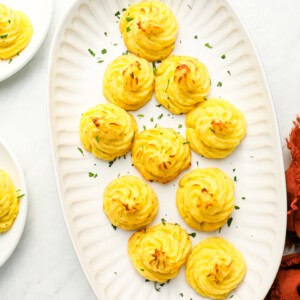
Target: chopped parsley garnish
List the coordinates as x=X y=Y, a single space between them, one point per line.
x=208 y=46
x=156 y=288
x=105 y=33
x=243 y=198
x=132 y=140
x=159 y=105
x=163 y=221
x=160 y=116
x=235 y=178
x=142 y=270
x=92 y=52
x=233 y=170
x=151 y=119
x=231 y=296
x=140 y=116
x=144 y=127
x=125 y=52
x=147 y=280
x=128 y=29
x=93 y=175
x=111 y=162
x=180 y=126
x=223 y=56
x=97 y=138
x=162 y=284
x=9 y=21
x=114 y=227
x=220 y=84
x=119 y=175
x=80 y=150
x=237 y=207
x=189 y=6
x=4 y=36
x=10 y=60
x=117 y=14
x=103 y=51
x=185 y=143
x=128 y=19
x=220 y=229
x=124 y=9
x=154 y=68
x=181 y=294
x=167 y=85
x=229 y=221
x=193 y=234
x=229 y=73
x=21 y=196
x=212 y=130
x=100 y=61
x=197 y=162
x=196 y=37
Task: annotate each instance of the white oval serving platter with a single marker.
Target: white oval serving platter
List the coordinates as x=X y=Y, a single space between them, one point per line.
x=40 y=13
x=75 y=84
x=10 y=239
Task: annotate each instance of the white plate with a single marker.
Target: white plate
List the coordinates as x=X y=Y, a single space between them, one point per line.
x=39 y=13
x=75 y=84
x=10 y=239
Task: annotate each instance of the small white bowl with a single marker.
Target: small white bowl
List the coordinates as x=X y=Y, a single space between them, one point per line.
x=40 y=13
x=10 y=239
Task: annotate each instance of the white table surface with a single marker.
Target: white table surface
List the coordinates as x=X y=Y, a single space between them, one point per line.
x=44 y=265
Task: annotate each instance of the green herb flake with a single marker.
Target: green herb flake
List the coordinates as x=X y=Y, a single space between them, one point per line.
x=180 y=126
x=189 y=6
x=196 y=37
x=220 y=229
x=233 y=170
x=128 y=29
x=21 y=196
x=208 y=46
x=181 y=295
x=160 y=116
x=10 y=61
x=223 y=56
x=142 y=270
x=243 y=198
x=237 y=207
x=103 y=51
x=80 y=150
x=140 y=116
x=162 y=284
x=4 y=36
x=115 y=273
x=93 y=175
x=159 y=105
x=147 y=280
x=163 y=221
x=167 y=86
x=151 y=119
x=229 y=73
x=220 y=84
x=197 y=162
x=186 y=143
x=235 y=178
x=212 y=130
x=114 y=227
x=100 y=61
x=9 y=21
x=92 y=52
x=125 y=52
x=97 y=138
x=128 y=19
x=229 y=221
x=156 y=288
x=231 y=296
x=117 y=14
x=193 y=234
x=110 y=163
x=144 y=127
x=105 y=33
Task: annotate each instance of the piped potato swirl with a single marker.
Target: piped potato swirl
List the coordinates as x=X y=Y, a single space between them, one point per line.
x=215 y=128
x=181 y=83
x=205 y=198
x=107 y=131
x=149 y=30
x=9 y=202
x=130 y=203
x=161 y=154
x=215 y=268
x=158 y=252
x=15 y=32
x=128 y=82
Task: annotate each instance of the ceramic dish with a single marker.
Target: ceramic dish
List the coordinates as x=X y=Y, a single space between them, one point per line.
x=75 y=84
x=40 y=13
x=10 y=239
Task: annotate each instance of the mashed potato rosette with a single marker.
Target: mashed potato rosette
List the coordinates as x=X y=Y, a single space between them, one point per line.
x=181 y=83
x=149 y=30
x=9 y=202
x=215 y=268
x=130 y=203
x=205 y=198
x=161 y=154
x=15 y=32
x=128 y=82
x=158 y=252
x=215 y=128
x=107 y=131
